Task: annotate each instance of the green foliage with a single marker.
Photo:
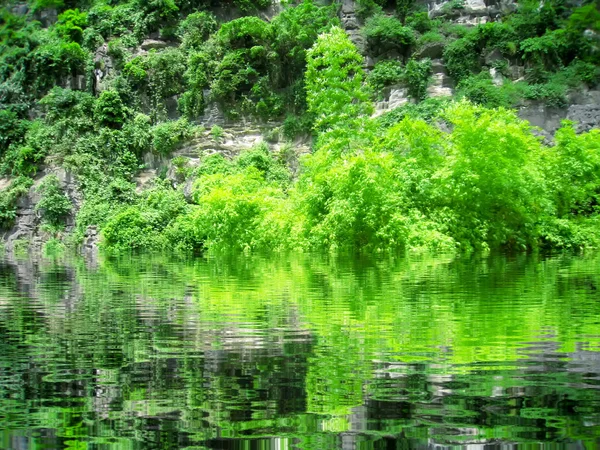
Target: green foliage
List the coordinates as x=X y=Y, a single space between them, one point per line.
x=195 y=29
x=294 y=126
x=110 y=110
x=12 y=129
x=461 y=57
x=140 y=226
x=428 y=110
x=334 y=82
x=70 y=25
x=157 y=75
x=261 y=159
x=240 y=211
x=295 y=30
x=8 y=200
x=54 y=204
x=216 y=133
x=429 y=38
x=480 y=89
x=385 y=73
x=417 y=75
x=367 y=8
x=167 y=136
x=421 y=22
x=574 y=171
x=387 y=34
x=492 y=183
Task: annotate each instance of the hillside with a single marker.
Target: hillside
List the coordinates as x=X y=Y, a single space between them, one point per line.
x=193 y=126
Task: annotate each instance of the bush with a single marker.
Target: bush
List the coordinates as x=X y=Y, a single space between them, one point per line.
x=54 y=204
x=481 y=90
x=461 y=57
x=12 y=129
x=195 y=29
x=428 y=110
x=420 y=22
x=387 y=34
x=491 y=183
x=141 y=226
x=261 y=159
x=167 y=136
x=574 y=171
x=110 y=110
x=385 y=73
x=417 y=75
x=239 y=211
x=70 y=25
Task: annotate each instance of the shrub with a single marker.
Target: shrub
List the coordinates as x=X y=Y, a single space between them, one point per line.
x=491 y=183
x=386 y=34
x=110 y=110
x=417 y=75
x=420 y=22
x=429 y=38
x=12 y=129
x=167 y=136
x=54 y=204
x=141 y=226
x=385 y=73
x=70 y=25
x=261 y=159
x=239 y=211
x=195 y=29
x=243 y=33
x=216 y=133
x=427 y=110
x=480 y=89
x=574 y=171
x=461 y=57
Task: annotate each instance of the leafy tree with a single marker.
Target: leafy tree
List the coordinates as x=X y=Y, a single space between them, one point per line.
x=334 y=82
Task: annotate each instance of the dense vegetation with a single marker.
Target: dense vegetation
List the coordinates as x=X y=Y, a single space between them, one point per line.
x=397 y=182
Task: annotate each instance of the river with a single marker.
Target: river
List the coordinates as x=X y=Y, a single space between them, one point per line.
x=300 y=352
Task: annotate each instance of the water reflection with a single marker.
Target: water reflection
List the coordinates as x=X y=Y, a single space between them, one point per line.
x=300 y=352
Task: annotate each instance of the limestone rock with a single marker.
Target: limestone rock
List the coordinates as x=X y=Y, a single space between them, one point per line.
x=150 y=44
x=20 y=9
x=433 y=50
x=587 y=117
x=103 y=67
x=441 y=86
x=493 y=56
x=398 y=97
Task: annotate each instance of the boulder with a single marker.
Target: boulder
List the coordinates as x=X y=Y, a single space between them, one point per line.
x=433 y=50
x=150 y=44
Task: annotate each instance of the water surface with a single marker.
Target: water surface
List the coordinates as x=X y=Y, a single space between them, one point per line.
x=300 y=352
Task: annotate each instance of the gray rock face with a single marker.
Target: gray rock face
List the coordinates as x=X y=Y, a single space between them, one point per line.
x=433 y=50
x=90 y=242
x=20 y=9
x=587 y=117
x=150 y=44
x=103 y=67
x=28 y=220
x=46 y=16
x=584 y=110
